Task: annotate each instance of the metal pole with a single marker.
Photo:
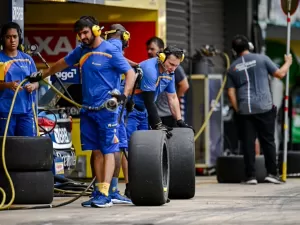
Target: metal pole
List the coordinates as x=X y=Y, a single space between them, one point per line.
x=286 y=105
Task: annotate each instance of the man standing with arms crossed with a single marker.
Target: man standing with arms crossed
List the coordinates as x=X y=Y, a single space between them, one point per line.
x=250 y=95
x=101 y=64
x=155 y=45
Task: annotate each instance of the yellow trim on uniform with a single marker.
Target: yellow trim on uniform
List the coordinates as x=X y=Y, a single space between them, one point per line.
x=162 y=77
x=87 y=55
x=4 y=66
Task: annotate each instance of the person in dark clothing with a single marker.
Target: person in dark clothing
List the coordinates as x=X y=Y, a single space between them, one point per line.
x=250 y=95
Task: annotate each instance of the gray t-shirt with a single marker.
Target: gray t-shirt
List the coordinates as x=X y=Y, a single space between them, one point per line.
x=162 y=100
x=249 y=75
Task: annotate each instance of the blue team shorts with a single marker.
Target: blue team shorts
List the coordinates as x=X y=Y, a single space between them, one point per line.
x=122 y=135
x=98 y=131
x=137 y=120
x=19 y=125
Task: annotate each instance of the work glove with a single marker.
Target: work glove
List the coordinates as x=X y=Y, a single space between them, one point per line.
x=138 y=69
x=161 y=126
x=129 y=105
x=35 y=77
x=121 y=98
x=181 y=123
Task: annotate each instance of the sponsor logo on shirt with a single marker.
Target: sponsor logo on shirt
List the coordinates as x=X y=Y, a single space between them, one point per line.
x=96 y=64
x=244 y=65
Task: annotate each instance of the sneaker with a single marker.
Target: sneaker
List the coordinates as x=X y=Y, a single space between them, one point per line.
x=117 y=198
x=89 y=202
x=101 y=201
x=250 y=180
x=274 y=179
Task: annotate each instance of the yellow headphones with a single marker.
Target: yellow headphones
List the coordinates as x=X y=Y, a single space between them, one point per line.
x=162 y=56
x=125 y=34
x=96 y=29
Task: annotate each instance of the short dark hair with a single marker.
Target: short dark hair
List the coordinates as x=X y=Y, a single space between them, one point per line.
x=85 y=21
x=120 y=28
x=240 y=43
x=6 y=27
x=156 y=40
x=173 y=50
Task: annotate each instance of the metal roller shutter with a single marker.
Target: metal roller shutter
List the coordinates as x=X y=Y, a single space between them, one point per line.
x=208 y=25
x=178 y=23
x=193 y=23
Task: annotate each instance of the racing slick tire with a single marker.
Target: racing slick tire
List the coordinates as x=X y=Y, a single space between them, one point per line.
x=181 y=148
x=30 y=187
x=27 y=153
x=231 y=169
x=148 y=168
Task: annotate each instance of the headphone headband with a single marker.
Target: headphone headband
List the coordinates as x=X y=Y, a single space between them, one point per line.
x=93 y=24
x=125 y=35
x=169 y=51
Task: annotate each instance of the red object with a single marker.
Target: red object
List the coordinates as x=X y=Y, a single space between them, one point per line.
x=46 y=123
x=56 y=40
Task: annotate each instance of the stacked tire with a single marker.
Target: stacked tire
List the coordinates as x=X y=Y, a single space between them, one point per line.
x=160 y=168
x=29 y=164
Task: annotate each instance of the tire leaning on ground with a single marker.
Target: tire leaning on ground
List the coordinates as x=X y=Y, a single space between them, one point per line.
x=181 y=148
x=231 y=169
x=148 y=168
x=30 y=187
x=28 y=153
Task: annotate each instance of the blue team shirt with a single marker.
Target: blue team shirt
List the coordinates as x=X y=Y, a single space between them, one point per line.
x=153 y=80
x=100 y=69
x=17 y=68
x=118 y=44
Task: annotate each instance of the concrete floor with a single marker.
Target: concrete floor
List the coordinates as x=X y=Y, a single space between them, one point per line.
x=213 y=204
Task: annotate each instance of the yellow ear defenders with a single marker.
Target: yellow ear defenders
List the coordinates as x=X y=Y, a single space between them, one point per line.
x=162 y=56
x=125 y=34
x=96 y=30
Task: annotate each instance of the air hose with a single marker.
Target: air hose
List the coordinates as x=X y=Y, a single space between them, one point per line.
x=8 y=206
x=216 y=100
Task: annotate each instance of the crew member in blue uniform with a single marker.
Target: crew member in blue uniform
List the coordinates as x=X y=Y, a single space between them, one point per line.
x=15 y=65
x=158 y=76
x=101 y=64
x=119 y=36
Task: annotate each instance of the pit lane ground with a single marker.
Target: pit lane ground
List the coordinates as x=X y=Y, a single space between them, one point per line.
x=213 y=204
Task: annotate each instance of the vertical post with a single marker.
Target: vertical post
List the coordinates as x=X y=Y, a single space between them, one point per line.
x=286 y=105
x=12 y=10
x=17 y=13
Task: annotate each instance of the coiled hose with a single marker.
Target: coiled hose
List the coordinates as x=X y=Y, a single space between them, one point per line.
x=8 y=206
